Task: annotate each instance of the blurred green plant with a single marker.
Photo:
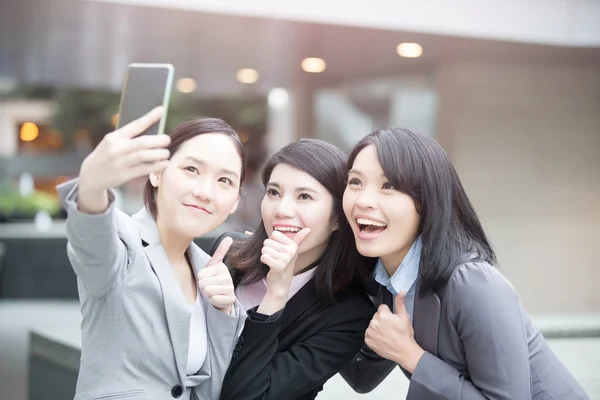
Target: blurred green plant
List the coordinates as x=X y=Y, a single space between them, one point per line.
x=13 y=205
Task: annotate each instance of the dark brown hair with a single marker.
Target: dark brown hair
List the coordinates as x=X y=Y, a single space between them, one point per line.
x=340 y=265
x=416 y=165
x=186 y=131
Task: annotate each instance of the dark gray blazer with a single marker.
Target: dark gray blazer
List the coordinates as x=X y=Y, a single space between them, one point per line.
x=479 y=344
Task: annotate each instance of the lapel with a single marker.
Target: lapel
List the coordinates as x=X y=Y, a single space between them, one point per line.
x=426 y=319
x=176 y=309
x=301 y=306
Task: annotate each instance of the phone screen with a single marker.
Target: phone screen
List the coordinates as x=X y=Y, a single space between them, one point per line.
x=146 y=86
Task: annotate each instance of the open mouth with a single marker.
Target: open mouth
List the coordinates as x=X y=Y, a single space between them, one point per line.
x=369 y=228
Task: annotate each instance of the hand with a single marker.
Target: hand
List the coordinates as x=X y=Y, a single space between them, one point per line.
x=214 y=280
x=279 y=253
x=391 y=335
x=122 y=156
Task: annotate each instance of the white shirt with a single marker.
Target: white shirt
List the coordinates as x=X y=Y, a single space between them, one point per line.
x=198 y=337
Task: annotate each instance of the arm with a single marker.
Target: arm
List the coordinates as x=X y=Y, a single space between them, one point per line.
x=366 y=371
x=98 y=256
x=487 y=315
x=258 y=371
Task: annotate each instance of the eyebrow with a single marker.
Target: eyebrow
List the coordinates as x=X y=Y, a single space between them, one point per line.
x=357 y=172
x=298 y=189
x=204 y=163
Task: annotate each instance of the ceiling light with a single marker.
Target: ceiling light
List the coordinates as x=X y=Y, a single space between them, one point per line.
x=278 y=98
x=247 y=75
x=314 y=65
x=29 y=132
x=186 y=85
x=409 y=50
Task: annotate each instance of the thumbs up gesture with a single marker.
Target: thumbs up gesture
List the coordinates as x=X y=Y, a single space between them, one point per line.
x=214 y=280
x=279 y=253
x=391 y=335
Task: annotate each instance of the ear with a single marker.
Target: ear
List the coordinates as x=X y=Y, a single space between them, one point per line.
x=235 y=206
x=154 y=178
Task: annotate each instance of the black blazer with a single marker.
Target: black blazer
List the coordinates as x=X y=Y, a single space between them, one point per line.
x=291 y=354
x=479 y=344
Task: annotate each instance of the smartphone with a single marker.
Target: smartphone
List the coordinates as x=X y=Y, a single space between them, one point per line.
x=146 y=86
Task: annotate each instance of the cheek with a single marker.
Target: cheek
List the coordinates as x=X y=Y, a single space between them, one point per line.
x=225 y=200
x=403 y=216
x=348 y=204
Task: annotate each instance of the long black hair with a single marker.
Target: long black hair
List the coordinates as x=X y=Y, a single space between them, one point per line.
x=450 y=229
x=340 y=265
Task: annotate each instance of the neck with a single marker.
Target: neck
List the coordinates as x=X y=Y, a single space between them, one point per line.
x=307 y=257
x=175 y=244
x=392 y=262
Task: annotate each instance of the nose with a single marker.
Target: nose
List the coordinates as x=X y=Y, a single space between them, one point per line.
x=365 y=199
x=284 y=209
x=204 y=190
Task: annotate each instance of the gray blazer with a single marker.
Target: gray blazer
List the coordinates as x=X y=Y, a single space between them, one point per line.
x=136 y=321
x=479 y=344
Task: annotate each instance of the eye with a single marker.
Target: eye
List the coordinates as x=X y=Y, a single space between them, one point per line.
x=388 y=186
x=353 y=181
x=272 y=192
x=191 y=169
x=305 y=196
x=226 y=180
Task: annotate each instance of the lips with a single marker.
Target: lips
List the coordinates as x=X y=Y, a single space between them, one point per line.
x=369 y=228
x=197 y=208
x=287 y=230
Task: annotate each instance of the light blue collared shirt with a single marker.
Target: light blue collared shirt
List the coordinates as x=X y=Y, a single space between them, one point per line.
x=404 y=278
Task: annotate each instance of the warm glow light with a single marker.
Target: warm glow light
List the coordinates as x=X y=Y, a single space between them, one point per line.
x=186 y=85
x=314 y=65
x=278 y=98
x=247 y=75
x=409 y=50
x=29 y=132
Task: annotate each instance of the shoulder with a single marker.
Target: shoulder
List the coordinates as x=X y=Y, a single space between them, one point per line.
x=477 y=288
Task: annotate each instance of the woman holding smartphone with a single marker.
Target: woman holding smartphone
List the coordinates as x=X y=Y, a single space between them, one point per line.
x=446 y=315
x=160 y=319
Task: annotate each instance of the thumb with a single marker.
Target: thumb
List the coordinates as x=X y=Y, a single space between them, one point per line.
x=300 y=236
x=220 y=252
x=400 y=305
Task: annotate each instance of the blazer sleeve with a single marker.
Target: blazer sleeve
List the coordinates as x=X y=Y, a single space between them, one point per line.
x=258 y=371
x=98 y=255
x=486 y=312
x=366 y=370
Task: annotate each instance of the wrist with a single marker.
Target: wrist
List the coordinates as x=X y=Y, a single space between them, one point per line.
x=409 y=358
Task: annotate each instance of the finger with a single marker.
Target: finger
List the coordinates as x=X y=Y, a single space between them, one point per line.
x=219 y=280
x=214 y=290
x=400 y=304
x=300 y=236
x=248 y=233
x=145 y=169
x=272 y=263
x=384 y=309
x=141 y=125
x=145 y=156
x=275 y=245
x=277 y=255
x=147 y=142
x=208 y=272
x=221 y=251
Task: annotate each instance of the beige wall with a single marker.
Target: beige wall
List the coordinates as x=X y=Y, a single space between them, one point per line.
x=525 y=139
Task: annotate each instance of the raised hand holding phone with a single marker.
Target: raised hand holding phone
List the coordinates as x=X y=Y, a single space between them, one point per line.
x=119 y=157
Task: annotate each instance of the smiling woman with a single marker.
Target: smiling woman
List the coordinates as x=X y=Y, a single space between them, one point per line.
x=160 y=317
x=301 y=279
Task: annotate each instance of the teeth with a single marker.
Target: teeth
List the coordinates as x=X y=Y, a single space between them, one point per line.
x=365 y=221
x=287 y=229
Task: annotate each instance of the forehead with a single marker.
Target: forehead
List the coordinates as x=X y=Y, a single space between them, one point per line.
x=214 y=149
x=367 y=162
x=290 y=177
